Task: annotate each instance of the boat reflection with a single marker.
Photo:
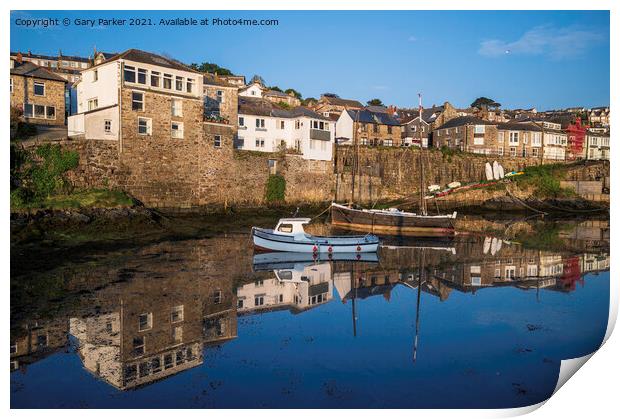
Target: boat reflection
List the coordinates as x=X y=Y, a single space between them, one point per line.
x=157 y=313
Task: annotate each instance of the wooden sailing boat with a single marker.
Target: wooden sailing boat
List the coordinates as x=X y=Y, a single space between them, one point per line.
x=392 y=220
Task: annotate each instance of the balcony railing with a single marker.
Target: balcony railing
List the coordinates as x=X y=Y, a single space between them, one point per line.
x=317 y=134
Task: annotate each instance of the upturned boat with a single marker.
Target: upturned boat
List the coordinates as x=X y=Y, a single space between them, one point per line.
x=289 y=236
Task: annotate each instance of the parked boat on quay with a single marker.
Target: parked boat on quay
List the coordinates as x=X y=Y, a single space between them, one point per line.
x=289 y=236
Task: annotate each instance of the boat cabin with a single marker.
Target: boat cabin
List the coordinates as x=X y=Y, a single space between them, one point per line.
x=291 y=226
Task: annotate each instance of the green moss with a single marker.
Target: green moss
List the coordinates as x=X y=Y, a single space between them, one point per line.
x=92 y=198
x=276 y=187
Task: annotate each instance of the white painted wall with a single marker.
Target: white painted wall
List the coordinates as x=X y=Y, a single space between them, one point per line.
x=94 y=123
x=272 y=136
x=105 y=89
x=253 y=90
x=344 y=126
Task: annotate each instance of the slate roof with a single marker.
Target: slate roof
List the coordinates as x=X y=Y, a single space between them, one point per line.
x=145 y=57
x=373 y=108
x=51 y=57
x=263 y=107
x=464 y=120
x=428 y=114
x=212 y=80
x=519 y=126
x=369 y=117
x=342 y=102
x=28 y=69
x=275 y=93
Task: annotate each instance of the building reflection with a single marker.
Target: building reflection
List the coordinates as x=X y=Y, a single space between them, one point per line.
x=157 y=315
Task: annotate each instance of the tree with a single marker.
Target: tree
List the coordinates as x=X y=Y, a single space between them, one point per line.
x=211 y=68
x=257 y=79
x=330 y=95
x=294 y=92
x=309 y=101
x=485 y=102
x=275 y=88
x=375 y=102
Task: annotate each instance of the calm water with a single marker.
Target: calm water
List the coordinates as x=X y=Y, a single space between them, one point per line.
x=203 y=323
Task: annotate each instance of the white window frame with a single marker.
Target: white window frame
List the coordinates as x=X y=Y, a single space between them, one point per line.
x=513 y=138
x=141 y=102
x=220 y=96
x=479 y=129
x=11 y=84
x=149 y=322
x=34 y=88
x=129 y=69
x=217 y=141
x=149 y=129
x=34 y=110
x=189 y=83
x=260 y=123
x=155 y=75
x=177 y=107
x=242 y=121
x=177 y=134
x=107 y=126
x=92 y=104
x=95 y=75
x=145 y=73
x=180 y=310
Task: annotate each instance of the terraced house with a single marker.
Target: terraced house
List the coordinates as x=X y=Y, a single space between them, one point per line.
x=366 y=127
x=467 y=133
x=269 y=128
x=517 y=139
x=38 y=93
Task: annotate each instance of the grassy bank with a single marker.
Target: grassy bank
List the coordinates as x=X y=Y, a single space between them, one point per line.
x=91 y=198
x=545 y=181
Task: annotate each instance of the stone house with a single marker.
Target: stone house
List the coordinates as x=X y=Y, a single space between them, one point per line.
x=220 y=99
x=469 y=134
x=369 y=128
x=332 y=107
x=269 y=128
x=519 y=139
x=38 y=93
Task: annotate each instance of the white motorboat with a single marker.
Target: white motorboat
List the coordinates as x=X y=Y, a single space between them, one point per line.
x=289 y=236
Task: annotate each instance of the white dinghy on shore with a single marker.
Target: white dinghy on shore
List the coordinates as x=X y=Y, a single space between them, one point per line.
x=289 y=236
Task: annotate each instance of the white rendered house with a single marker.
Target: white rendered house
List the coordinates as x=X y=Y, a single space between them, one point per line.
x=267 y=128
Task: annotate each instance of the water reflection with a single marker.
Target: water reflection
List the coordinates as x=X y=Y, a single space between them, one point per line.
x=153 y=314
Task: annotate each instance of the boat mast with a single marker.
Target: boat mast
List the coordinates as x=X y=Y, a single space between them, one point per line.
x=417 y=311
x=422 y=201
x=355 y=151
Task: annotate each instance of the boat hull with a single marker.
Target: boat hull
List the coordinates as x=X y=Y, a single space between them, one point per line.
x=391 y=223
x=269 y=241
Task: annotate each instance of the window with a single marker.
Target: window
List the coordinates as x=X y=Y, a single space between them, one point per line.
x=190 y=85
x=536 y=138
x=240 y=303
x=217 y=141
x=65 y=63
x=41 y=341
x=39 y=111
x=168 y=361
x=177 y=314
x=220 y=96
x=179 y=83
x=280 y=125
x=167 y=81
x=138 y=346
x=28 y=110
x=217 y=297
x=177 y=334
x=535 y=152
x=130 y=74
x=389 y=129
x=259 y=300
x=156 y=365
x=74 y=64
x=155 y=76
x=500 y=151
x=513 y=151
x=131 y=372
x=286 y=228
x=144 y=126
x=500 y=137
x=241 y=121
x=388 y=142
x=50 y=112
x=479 y=129
x=375 y=128
x=95 y=75
x=11 y=85
x=177 y=130
x=141 y=76
x=177 y=107
x=39 y=88
x=137 y=101
x=478 y=140
x=260 y=123
x=13 y=347
x=260 y=143
x=514 y=138
x=144 y=369
x=297 y=124
x=145 y=321
x=93 y=104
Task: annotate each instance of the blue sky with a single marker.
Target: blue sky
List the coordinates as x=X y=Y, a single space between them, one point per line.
x=545 y=59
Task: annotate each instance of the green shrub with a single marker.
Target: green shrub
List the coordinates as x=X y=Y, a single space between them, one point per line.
x=25 y=130
x=47 y=174
x=276 y=186
x=545 y=180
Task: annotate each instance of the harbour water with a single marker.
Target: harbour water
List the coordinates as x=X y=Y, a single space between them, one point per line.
x=474 y=321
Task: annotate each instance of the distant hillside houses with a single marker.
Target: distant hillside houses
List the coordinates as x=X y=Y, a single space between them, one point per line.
x=142 y=96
